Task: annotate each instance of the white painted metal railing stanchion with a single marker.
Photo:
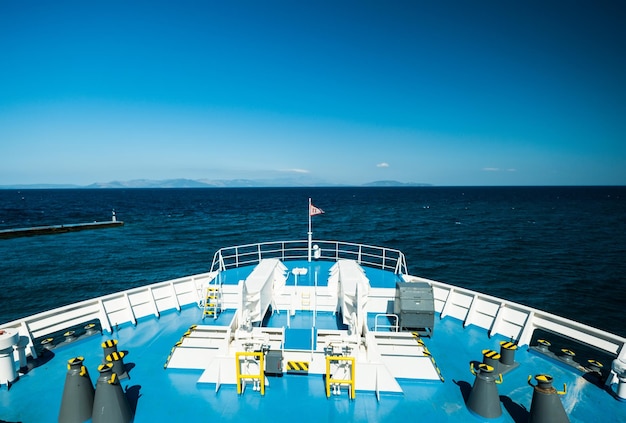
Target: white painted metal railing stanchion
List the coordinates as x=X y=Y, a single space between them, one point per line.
x=315 y=300
x=309 y=234
x=312 y=342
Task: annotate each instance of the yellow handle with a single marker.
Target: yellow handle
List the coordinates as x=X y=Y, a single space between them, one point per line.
x=564 y=391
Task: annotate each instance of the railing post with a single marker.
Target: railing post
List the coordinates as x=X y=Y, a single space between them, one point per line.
x=527 y=330
x=24 y=330
x=384 y=257
x=105 y=323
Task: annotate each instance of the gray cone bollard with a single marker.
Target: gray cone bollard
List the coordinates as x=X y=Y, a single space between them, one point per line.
x=110 y=404
x=546 y=406
x=484 y=399
x=507 y=353
x=116 y=358
x=78 y=393
x=491 y=358
x=109 y=346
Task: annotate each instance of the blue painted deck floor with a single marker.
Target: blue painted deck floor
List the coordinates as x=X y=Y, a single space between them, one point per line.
x=170 y=395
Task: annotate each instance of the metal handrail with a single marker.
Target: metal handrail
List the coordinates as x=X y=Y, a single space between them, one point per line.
x=387 y=315
x=367 y=255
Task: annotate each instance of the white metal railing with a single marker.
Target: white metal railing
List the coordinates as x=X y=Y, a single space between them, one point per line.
x=515 y=320
x=114 y=309
x=389 y=317
x=367 y=255
x=495 y=315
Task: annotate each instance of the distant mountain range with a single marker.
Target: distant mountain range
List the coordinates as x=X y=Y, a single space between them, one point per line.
x=203 y=183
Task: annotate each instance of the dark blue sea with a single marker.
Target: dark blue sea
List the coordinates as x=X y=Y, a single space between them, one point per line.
x=561 y=249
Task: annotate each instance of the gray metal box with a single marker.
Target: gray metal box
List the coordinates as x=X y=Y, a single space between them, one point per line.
x=274 y=362
x=414 y=305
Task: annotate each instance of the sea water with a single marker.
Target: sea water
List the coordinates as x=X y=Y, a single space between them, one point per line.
x=560 y=249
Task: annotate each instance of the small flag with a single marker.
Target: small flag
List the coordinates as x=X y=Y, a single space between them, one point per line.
x=314 y=210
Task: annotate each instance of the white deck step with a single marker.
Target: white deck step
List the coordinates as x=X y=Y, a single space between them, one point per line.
x=192 y=358
x=196 y=350
x=212 y=343
x=406 y=367
x=402 y=355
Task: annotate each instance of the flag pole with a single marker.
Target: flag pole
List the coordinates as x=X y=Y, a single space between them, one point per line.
x=310 y=233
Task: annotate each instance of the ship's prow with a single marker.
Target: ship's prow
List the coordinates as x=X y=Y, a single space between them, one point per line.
x=267 y=335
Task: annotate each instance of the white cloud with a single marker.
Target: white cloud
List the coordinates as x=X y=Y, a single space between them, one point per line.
x=383 y=164
x=295 y=170
x=497 y=169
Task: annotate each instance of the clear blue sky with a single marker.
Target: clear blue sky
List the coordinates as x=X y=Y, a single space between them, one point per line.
x=440 y=92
